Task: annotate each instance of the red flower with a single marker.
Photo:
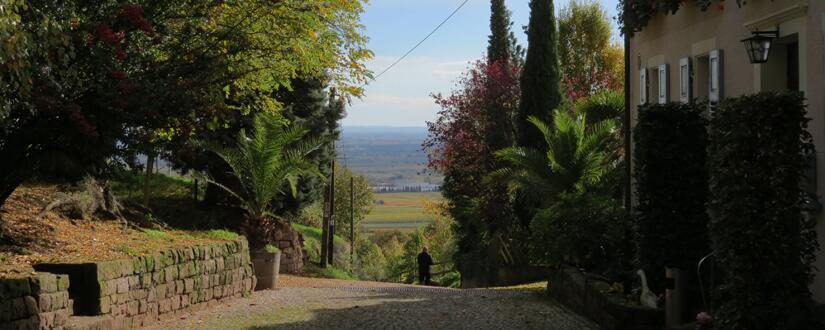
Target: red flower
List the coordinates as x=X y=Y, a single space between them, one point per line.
x=120 y=53
x=106 y=34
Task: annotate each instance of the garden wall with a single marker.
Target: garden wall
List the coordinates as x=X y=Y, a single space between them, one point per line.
x=590 y=298
x=40 y=301
x=138 y=291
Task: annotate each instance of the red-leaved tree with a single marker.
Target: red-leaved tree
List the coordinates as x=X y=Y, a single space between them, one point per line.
x=475 y=120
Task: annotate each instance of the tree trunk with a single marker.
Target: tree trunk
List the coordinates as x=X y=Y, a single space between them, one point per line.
x=150 y=162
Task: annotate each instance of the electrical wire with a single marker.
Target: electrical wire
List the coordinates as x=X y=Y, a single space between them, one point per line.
x=420 y=42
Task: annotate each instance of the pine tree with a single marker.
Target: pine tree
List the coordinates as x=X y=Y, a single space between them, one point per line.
x=540 y=93
x=307 y=105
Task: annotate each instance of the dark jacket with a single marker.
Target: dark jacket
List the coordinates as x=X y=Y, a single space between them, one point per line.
x=424 y=262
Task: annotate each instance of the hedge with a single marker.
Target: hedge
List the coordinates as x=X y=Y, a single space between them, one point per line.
x=764 y=242
x=672 y=188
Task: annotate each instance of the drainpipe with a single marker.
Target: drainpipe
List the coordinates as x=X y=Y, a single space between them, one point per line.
x=626 y=124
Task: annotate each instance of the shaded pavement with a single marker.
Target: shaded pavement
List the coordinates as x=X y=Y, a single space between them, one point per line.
x=307 y=303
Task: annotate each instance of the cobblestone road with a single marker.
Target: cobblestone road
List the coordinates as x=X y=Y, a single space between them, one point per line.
x=329 y=304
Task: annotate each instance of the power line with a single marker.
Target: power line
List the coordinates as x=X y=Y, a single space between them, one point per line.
x=422 y=41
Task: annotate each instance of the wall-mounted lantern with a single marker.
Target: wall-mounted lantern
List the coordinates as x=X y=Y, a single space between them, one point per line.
x=758 y=46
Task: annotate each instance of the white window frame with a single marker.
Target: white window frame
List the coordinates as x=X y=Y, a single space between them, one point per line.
x=685 y=80
x=716 y=76
x=643 y=86
x=663 y=92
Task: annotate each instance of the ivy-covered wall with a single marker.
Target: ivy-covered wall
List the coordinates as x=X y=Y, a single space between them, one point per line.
x=763 y=239
x=670 y=157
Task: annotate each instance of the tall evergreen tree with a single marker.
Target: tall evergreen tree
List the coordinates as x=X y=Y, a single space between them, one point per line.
x=307 y=105
x=499 y=47
x=540 y=93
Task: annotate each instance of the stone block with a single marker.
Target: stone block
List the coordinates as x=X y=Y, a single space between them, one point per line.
x=104 y=305
x=46 y=320
x=43 y=283
x=138 y=294
x=61 y=317
x=180 y=287
x=132 y=308
x=122 y=285
x=134 y=282
x=18 y=308
x=146 y=280
x=63 y=282
x=107 y=270
x=171 y=273
x=14 y=288
x=5 y=310
x=189 y=285
x=219 y=264
x=143 y=305
x=175 y=303
x=159 y=276
x=44 y=302
x=139 y=265
x=164 y=306
x=31 y=305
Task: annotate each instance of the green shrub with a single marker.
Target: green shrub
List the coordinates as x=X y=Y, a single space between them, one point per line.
x=583 y=229
x=763 y=241
x=601 y=106
x=670 y=155
x=272 y=248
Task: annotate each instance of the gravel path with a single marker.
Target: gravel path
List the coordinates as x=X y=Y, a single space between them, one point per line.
x=307 y=303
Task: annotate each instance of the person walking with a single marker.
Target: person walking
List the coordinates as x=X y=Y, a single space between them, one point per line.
x=424 y=263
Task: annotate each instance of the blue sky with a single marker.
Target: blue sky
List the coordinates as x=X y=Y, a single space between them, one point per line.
x=401 y=97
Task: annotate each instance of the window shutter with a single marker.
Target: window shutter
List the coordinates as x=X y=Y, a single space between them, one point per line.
x=685 y=80
x=642 y=86
x=717 y=79
x=663 y=84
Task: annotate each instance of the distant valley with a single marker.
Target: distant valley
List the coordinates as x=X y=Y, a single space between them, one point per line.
x=391 y=157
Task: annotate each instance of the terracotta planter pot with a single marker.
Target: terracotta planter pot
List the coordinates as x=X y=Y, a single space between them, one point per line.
x=267 y=266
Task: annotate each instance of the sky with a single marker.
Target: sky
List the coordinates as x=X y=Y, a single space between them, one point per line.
x=401 y=97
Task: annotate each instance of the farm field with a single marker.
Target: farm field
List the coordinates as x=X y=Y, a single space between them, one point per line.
x=402 y=211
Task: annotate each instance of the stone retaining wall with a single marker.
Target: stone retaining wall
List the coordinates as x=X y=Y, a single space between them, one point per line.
x=141 y=290
x=39 y=301
x=590 y=298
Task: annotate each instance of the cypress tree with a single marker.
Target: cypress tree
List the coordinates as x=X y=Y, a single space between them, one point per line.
x=499 y=42
x=540 y=93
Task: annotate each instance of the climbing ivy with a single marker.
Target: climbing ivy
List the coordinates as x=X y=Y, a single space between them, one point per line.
x=763 y=239
x=635 y=14
x=672 y=188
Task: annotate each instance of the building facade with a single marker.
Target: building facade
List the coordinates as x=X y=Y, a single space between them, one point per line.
x=697 y=54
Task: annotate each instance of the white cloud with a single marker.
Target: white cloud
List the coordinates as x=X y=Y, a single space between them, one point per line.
x=401 y=96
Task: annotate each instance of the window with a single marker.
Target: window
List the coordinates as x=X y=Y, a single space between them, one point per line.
x=642 y=86
x=701 y=73
x=685 y=81
x=716 y=76
x=663 y=84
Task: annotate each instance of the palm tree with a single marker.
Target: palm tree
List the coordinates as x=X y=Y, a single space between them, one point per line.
x=266 y=163
x=576 y=158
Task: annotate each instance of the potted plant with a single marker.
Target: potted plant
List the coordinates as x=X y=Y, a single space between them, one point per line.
x=266 y=164
x=267 y=265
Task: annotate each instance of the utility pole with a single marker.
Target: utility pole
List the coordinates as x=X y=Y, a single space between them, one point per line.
x=331 y=235
x=324 y=227
x=351 y=220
